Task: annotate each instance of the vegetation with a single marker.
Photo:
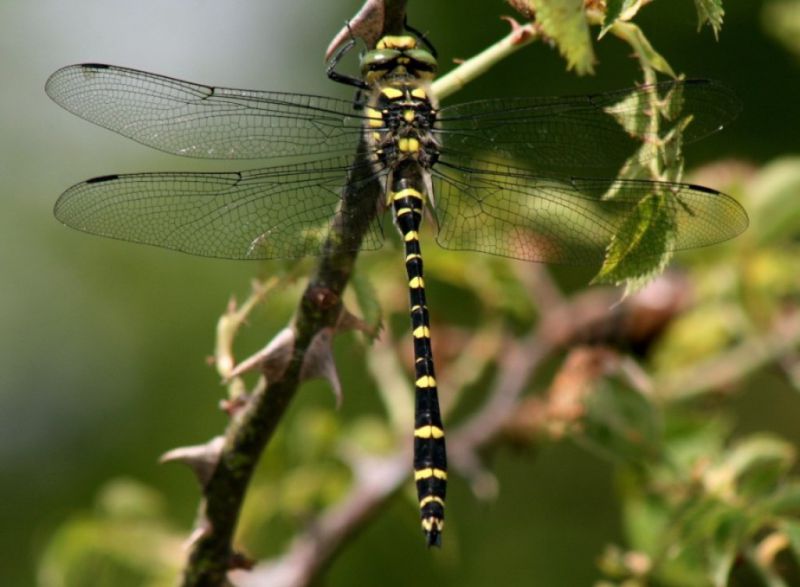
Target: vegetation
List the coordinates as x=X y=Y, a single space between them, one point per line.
x=646 y=380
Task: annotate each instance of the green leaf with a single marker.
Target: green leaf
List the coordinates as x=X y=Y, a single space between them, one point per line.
x=636 y=124
x=775 y=206
x=618 y=10
x=642 y=246
x=649 y=57
x=785 y=502
x=125 y=543
x=691 y=437
x=792 y=530
x=754 y=463
x=622 y=423
x=565 y=22
x=723 y=548
x=647 y=514
x=711 y=12
x=781 y=20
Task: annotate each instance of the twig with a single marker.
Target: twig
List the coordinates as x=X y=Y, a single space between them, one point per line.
x=729 y=368
x=313 y=550
x=379 y=479
x=519 y=37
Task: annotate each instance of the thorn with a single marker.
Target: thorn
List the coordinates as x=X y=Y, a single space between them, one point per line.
x=367 y=24
x=519 y=33
x=234 y=405
x=201 y=530
x=348 y=321
x=272 y=360
x=319 y=362
x=322 y=297
x=202 y=459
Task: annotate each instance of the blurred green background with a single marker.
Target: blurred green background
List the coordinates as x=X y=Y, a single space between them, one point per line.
x=104 y=343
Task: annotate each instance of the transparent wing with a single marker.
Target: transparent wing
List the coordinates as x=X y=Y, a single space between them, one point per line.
x=276 y=212
x=508 y=212
x=195 y=120
x=567 y=134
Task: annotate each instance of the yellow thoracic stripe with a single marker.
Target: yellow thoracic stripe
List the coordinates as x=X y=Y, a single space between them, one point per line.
x=392 y=93
x=406 y=193
x=429 y=498
x=407 y=144
x=425 y=381
x=429 y=472
x=419 y=93
x=375 y=117
x=416 y=282
x=429 y=431
x=421 y=332
x=397 y=42
x=429 y=523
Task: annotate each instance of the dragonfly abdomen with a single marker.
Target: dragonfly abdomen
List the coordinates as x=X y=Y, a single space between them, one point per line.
x=430 y=459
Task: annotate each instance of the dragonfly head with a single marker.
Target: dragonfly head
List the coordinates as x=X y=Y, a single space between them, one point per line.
x=397 y=57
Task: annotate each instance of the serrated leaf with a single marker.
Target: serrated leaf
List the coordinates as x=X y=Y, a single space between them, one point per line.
x=635 y=111
x=635 y=125
x=642 y=246
x=565 y=22
x=711 y=12
x=618 y=10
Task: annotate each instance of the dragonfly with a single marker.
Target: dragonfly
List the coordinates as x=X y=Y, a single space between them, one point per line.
x=515 y=177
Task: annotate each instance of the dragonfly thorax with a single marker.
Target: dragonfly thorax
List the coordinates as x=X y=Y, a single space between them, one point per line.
x=400 y=118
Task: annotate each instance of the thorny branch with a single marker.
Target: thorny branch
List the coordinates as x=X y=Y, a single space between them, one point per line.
x=225 y=465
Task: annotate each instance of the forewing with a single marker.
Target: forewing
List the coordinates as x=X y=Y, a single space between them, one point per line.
x=508 y=212
x=276 y=212
x=195 y=120
x=567 y=134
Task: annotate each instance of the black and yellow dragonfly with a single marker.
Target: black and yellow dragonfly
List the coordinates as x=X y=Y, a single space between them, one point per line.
x=511 y=177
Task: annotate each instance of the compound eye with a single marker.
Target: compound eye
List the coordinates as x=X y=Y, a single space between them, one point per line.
x=379 y=59
x=422 y=59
